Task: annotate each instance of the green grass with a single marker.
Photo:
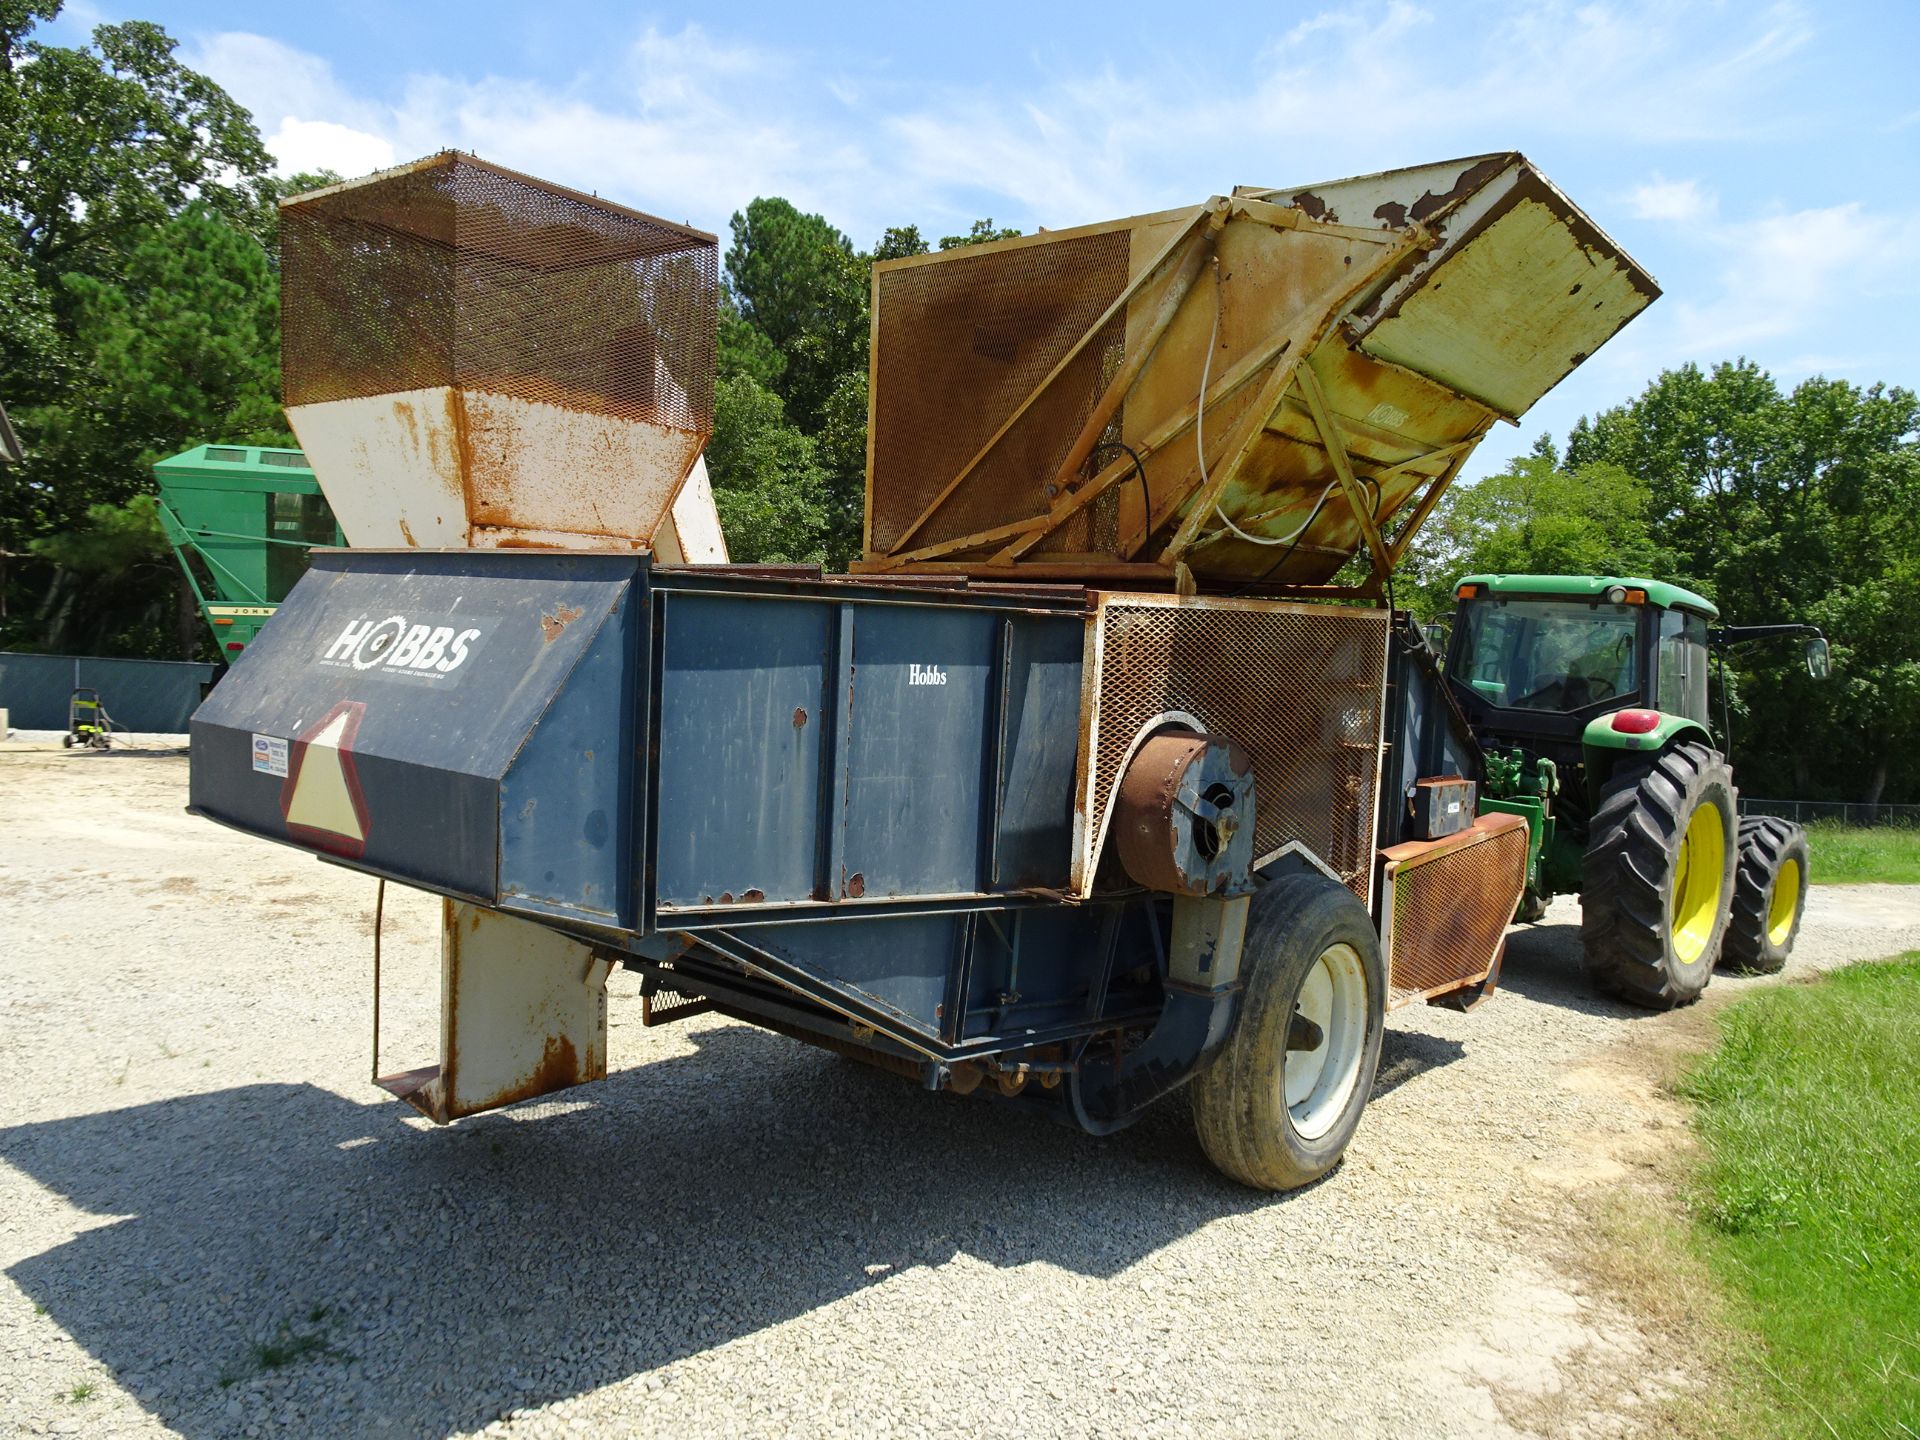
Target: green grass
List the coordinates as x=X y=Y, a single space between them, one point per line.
x=1809 y=1210
x=1850 y=855
x=287 y=1346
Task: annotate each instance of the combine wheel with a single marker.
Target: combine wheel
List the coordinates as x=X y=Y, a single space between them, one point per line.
x=1277 y=1107
x=1658 y=874
x=1769 y=896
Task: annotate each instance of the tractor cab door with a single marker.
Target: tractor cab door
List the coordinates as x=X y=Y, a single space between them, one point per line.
x=1680 y=665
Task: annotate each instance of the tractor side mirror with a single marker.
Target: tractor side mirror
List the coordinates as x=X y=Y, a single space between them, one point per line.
x=1436 y=633
x=1819 y=661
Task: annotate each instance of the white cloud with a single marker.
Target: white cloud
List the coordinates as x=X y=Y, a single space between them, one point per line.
x=274 y=81
x=1793 y=290
x=1347 y=90
x=74 y=24
x=306 y=145
x=1789 y=272
x=680 y=124
x=690 y=124
x=1680 y=201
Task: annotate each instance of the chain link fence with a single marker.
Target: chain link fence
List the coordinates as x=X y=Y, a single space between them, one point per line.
x=1835 y=812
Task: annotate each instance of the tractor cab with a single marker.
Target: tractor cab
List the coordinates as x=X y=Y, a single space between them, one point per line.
x=1536 y=660
x=1560 y=677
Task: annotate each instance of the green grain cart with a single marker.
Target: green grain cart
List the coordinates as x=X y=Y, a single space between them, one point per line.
x=1586 y=698
x=241 y=519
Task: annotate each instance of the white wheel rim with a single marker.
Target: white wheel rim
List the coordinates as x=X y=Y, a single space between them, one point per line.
x=1318 y=1083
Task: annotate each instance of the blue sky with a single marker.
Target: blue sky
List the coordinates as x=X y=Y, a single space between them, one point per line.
x=1763 y=161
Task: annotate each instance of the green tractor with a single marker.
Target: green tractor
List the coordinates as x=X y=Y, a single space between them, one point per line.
x=1587 y=697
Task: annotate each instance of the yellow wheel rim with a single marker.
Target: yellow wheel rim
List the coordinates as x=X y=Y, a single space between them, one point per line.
x=1696 y=885
x=1785 y=904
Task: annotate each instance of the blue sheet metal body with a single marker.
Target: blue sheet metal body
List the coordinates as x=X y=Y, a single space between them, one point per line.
x=863 y=794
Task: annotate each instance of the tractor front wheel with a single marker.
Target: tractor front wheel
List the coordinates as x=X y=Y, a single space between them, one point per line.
x=1278 y=1105
x=1658 y=876
x=1769 y=896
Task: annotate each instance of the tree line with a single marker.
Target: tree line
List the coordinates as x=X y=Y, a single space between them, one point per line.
x=1798 y=505
x=139 y=315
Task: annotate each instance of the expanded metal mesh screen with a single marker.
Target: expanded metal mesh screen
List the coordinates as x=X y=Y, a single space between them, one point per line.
x=959 y=343
x=1450 y=912
x=1298 y=686
x=455 y=272
x=662 y=1004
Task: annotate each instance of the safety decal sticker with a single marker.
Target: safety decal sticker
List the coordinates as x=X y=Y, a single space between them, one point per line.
x=270 y=755
x=322 y=799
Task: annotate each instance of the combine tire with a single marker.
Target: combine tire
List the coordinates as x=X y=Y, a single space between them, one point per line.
x=1658 y=876
x=1276 y=1108
x=1769 y=895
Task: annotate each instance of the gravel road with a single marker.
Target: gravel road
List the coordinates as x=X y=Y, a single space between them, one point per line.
x=211 y=1224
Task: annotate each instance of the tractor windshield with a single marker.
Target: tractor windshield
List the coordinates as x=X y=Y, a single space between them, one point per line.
x=1548 y=654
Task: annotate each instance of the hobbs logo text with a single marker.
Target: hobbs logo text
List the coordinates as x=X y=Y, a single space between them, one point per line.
x=396 y=645
x=926 y=675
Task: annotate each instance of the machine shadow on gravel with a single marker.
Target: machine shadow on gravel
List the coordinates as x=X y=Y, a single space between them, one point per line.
x=428 y=1281
x=1408 y=1054
x=1543 y=963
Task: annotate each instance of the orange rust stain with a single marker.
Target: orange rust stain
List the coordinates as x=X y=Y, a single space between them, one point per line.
x=403 y=412
x=406 y=532
x=563 y=616
x=558 y=1069
x=463 y=446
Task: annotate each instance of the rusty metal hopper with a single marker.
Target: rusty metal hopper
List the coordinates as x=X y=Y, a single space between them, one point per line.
x=476 y=358
x=1256 y=389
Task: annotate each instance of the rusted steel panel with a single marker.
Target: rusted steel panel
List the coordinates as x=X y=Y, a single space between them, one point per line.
x=1527 y=288
x=475 y=357
x=1300 y=687
x=1420 y=305
x=1449 y=903
x=523 y=1013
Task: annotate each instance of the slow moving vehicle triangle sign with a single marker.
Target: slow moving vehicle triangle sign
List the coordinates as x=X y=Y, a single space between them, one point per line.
x=322 y=799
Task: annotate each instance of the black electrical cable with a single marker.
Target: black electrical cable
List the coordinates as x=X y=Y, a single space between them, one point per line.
x=1140 y=472
x=1139 y=469
x=1286 y=554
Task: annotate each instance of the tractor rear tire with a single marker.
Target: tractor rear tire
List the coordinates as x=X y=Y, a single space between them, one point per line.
x=1769 y=896
x=1658 y=877
x=1278 y=1105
